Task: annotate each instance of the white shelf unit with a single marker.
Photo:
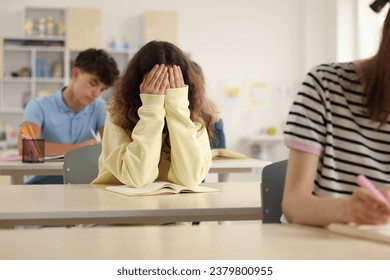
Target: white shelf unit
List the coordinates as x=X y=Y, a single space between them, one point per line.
x=27 y=52
x=28 y=69
x=16 y=90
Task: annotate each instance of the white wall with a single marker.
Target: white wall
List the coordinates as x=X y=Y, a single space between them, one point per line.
x=236 y=43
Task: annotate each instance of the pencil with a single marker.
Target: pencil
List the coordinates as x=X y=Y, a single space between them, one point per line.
x=30 y=135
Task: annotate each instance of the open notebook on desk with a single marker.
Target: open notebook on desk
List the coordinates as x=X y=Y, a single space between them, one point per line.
x=380 y=233
x=159 y=187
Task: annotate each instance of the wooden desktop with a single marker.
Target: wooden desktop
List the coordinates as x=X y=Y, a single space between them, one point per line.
x=253 y=241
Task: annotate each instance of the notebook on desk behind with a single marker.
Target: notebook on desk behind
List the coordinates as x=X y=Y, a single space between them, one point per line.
x=380 y=233
x=226 y=154
x=55 y=158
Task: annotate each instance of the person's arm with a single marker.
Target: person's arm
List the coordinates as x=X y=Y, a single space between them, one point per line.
x=302 y=207
x=190 y=145
x=52 y=149
x=134 y=160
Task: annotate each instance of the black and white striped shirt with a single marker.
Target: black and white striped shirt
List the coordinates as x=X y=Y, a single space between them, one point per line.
x=327 y=119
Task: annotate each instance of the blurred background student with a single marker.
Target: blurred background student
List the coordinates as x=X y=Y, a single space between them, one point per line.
x=65 y=119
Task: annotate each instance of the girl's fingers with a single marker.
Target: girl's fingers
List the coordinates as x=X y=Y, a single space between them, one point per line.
x=171 y=78
x=154 y=80
x=161 y=78
x=179 y=77
x=175 y=77
x=149 y=76
x=165 y=83
x=155 y=74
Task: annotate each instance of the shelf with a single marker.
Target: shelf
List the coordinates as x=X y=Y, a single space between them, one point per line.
x=17 y=79
x=50 y=80
x=38 y=63
x=27 y=42
x=11 y=111
x=36 y=38
x=32 y=48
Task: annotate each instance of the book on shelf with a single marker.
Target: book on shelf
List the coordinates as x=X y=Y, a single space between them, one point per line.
x=159 y=188
x=380 y=233
x=226 y=154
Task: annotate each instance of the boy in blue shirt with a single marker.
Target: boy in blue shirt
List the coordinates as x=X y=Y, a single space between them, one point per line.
x=65 y=119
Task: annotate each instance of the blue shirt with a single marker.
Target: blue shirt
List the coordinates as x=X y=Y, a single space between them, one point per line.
x=60 y=124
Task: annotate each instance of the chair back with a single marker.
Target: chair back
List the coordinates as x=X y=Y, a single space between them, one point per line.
x=272 y=185
x=81 y=164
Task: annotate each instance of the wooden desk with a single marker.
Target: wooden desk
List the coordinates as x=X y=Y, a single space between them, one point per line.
x=236 y=241
x=225 y=166
x=91 y=204
x=17 y=170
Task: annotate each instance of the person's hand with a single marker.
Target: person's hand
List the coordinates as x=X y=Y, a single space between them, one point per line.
x=175 y=77
x=365 y=208
x=156 y=81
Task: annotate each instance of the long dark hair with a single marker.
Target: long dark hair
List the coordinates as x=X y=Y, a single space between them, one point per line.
x=125 y=99
x=377 y=78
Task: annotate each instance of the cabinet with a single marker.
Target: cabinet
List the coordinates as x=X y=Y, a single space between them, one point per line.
x=30 y=67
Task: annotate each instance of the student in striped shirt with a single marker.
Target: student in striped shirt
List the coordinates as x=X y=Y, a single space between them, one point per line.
x=338 y=128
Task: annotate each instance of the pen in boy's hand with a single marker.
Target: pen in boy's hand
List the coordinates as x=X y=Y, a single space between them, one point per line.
x=94 y=134
x=98 y=137
x=366 y=184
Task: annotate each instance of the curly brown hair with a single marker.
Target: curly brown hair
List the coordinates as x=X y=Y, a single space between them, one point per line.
x=99 y=63
x=125 y=97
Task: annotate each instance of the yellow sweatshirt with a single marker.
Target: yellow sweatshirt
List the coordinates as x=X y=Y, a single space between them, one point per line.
x=138 y=161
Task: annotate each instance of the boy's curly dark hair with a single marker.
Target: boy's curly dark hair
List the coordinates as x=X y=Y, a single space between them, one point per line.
x=99 y=63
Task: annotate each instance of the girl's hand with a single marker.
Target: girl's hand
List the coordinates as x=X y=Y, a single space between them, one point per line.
x=365 y=208
x=156 y=81
x=175 y=77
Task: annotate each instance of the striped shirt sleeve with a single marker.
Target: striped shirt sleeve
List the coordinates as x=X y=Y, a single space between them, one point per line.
x=306 y=123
